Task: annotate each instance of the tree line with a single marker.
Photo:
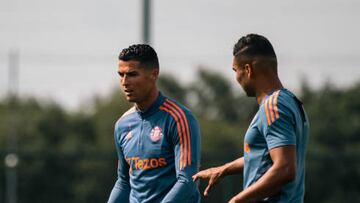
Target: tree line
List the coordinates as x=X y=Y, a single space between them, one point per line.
x=70 y=156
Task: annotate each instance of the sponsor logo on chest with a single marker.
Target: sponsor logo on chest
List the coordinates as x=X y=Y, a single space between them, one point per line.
x=136 y=163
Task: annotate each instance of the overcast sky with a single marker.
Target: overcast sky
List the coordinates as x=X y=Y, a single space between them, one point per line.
x=68 y=48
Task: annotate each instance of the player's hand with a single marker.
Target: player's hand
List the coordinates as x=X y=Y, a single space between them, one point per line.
x=234 y=200
x=213 y=174
x=238 y=199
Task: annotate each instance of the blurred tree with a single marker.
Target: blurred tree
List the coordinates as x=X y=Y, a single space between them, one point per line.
x=224 y=117
x=99 y=162
x=213 y=97
x=222 y=142
x=333 y=166
x=170 y=87
x=70 y=156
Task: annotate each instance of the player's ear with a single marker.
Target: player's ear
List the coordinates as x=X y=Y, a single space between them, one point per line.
x=249 y=71
x=155 y=74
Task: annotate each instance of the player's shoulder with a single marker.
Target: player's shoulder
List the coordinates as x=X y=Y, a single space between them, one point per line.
x=174 y=106
x=276 y=104
x=126 y=116
x=285 y=95
x=279 y=98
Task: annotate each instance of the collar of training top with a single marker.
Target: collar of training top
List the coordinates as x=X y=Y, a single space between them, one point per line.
x=153 y=108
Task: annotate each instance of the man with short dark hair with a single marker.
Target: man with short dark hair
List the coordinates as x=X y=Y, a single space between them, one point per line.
x=157 y=140
x=275 y=143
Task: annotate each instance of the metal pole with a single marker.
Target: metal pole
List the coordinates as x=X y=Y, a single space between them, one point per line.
x=11 y=159
x=13 y=73
x=146 y=21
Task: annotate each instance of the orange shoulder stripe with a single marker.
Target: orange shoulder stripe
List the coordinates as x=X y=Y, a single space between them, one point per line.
x=271 y=108
x=187 y=134
x=179 y=132
x=267 y=111
x=275 y=104
x=183 y=130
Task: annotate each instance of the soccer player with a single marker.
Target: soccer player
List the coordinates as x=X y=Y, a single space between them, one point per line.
x=275 y=143
x=157 y=140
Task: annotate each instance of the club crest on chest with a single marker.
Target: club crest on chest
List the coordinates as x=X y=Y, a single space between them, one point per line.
x=156 y=134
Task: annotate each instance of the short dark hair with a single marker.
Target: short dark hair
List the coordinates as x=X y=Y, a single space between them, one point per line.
x=143 y=53
x=254 y=45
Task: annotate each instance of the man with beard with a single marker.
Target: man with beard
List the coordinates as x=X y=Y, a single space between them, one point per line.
x=275 y=143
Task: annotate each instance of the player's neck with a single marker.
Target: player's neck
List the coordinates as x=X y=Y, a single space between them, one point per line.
x=267 y=88
x=142 y=106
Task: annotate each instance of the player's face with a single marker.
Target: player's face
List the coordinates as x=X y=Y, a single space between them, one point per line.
x=136 y=82
x=243 y=77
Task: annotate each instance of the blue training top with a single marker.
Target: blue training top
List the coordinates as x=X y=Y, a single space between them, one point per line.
x=280 y=120
x=159 y=152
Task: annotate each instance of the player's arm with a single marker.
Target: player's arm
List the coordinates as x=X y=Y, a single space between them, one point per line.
x=280 y=136
x=187 y=161
x=121 y=190
x=280 y=173
x=215 y=174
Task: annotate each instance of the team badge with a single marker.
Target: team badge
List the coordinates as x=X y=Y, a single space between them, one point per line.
x=156 y=134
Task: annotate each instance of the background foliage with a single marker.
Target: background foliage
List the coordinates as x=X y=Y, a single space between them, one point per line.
x=70 y=156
